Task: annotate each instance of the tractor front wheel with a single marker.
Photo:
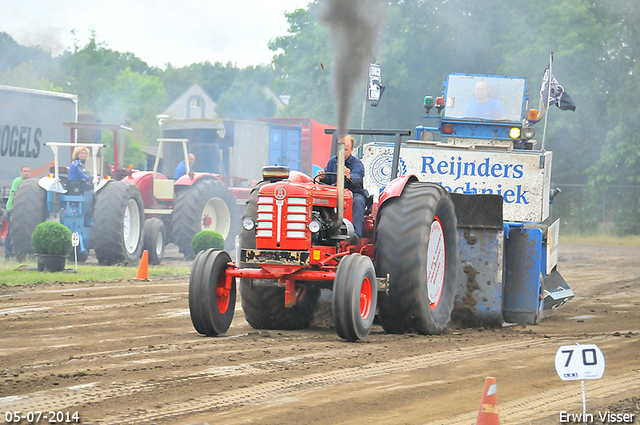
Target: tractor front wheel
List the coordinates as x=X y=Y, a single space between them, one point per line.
x=211 y=301
x=154 y=239
x=355 y=293
x=416 y=246
x=117 y=224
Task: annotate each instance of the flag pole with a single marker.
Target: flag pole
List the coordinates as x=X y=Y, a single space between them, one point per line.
x=546 y=114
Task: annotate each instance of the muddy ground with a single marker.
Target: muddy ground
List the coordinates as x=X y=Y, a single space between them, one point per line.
x=126 y=352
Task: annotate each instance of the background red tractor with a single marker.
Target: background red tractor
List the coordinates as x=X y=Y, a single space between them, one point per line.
x=177 y=209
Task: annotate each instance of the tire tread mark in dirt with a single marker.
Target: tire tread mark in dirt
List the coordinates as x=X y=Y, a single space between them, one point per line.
x=566 y=398
x=65 y=398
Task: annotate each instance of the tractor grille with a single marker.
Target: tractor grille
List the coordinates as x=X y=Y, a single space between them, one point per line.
x=277 y=216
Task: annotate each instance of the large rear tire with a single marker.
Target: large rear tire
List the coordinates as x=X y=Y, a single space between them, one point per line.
x=28 y=210
x=416 y=245
x=211 y=305
x=264 y=306
x=117 y=224
x=207 y=205
x=355 y=293
x=154 y=240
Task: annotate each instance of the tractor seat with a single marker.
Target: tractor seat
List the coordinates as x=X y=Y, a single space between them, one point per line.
x=77 y=187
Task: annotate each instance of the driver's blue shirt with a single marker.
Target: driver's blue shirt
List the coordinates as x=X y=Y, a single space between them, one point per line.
x=78 y=172
x=357 y=173
x=492 y=109
x=181 y=170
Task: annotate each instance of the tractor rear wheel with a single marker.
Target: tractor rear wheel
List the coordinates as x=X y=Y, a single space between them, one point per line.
x=154 y=239
x=416 y=245
x=264 y=306
x=211 y=304
x=355 y=292
x=28 y=210
x=117 y=224
x=207 y=205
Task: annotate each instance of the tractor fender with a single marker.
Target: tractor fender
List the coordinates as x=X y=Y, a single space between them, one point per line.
x=188 y=181
x=51 y=185
x=395 y=188
x=101 y=184
x=143 y=180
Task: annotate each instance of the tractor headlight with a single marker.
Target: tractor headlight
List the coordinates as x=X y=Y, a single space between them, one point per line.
x=314 y=226
x=248 y=224
x=528 y=133
x=514 y=133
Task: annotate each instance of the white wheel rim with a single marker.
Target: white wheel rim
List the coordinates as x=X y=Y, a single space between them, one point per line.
x=131 y=226
x=216 y=217
x=436 y=262
x=159 y=244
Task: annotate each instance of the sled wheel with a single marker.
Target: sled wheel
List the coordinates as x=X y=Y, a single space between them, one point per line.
x=211 y=302
x=355 y=293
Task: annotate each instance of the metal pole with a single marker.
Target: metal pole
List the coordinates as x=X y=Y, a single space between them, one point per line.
x=396 y=158
x=340 y=177
x=584 y=403
x=364 y=104
x=604 y=203
x=546 y=114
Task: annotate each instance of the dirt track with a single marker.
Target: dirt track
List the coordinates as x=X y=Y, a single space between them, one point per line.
x=126 y=352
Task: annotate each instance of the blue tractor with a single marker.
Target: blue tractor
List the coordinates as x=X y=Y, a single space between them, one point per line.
x=107 y=214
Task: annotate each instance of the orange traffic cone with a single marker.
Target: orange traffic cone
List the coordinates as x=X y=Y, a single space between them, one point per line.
x=143 y=268
x=488 y=412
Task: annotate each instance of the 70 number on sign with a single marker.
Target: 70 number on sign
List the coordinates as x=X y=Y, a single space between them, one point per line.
x=578 y=362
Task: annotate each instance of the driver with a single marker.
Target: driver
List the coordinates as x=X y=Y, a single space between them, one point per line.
x=354 y=171
x=485 y=107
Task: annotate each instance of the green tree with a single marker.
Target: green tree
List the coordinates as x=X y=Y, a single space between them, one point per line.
x=92 y=70
x=245 y=100
x=25 y=75
x=302 y=64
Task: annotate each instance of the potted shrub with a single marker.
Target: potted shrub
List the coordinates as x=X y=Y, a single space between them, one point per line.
x=52 y=243
x=205 y=240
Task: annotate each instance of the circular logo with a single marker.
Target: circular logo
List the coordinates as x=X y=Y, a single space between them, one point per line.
x=381 y=169
x=280 y=193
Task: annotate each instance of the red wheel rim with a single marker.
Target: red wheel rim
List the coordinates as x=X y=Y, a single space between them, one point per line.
x=365 y=298
x=223 y=295
x=4 y=229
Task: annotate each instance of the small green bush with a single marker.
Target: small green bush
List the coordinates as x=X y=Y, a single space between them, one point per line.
x=205 y=240
x=51 y=237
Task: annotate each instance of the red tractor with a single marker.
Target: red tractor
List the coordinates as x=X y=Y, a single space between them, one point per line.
x=176 y=210
x=297 y=239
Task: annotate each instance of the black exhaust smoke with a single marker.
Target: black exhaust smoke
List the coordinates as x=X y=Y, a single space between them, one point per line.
x=354 y=26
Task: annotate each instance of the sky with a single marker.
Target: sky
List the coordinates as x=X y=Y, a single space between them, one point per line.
x=158 y=31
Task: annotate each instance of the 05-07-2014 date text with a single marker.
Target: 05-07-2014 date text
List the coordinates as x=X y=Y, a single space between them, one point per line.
x=34 y=417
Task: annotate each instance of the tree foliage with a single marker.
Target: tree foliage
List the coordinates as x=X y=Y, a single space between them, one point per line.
x=245 y=100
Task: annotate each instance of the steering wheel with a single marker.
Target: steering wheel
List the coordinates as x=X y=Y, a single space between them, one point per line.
x=317 y=180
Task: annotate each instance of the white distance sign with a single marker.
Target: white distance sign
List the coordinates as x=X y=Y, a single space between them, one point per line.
x=577 y=362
